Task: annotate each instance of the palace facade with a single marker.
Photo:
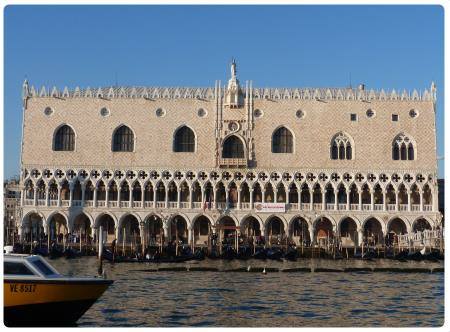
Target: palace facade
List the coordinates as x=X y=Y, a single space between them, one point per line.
x=146 y=163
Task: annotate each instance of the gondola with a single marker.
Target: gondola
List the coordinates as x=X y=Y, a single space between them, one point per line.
x=70 y=253
x=40 y=251
x=415 y=256
x=402 y=256
x=291 y=254
x=244 y=253
x=370 y=254
x=228 y=253
x=260 y=253
x=274 y=254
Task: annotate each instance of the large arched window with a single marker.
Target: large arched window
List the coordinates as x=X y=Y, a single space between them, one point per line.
x=402 y=148
x=184 y=140
x=341 y=147
x=233 y=148
x=123 y=140
x=282 y=141
x=64 y=139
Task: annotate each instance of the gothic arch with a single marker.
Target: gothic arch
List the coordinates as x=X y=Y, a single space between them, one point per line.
x=69 y=138
x=113 y=217
x=184 y=139
x=283 y=140
x=123 y=139
x=230 y=147
x=342 y=147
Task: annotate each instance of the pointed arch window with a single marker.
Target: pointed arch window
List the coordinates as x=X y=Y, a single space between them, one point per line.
x=341 y=147
x=282 y=141
x=123 y=140
x=184 y=140
x=233 y=148
x=403 y=148
x=64 y=139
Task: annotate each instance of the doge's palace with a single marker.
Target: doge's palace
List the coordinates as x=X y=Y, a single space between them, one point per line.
x=298 y=163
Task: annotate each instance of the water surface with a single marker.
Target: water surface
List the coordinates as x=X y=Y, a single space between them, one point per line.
x=278 y=299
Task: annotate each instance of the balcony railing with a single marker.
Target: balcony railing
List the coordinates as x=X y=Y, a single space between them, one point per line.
x=378 y=207
x=223 y=205
x=428 y=207
x=184 y=205
x=233 y=162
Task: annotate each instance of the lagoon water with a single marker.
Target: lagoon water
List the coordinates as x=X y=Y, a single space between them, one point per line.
x=276 y=299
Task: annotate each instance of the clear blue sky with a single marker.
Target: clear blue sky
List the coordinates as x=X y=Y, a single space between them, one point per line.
x=294 y=46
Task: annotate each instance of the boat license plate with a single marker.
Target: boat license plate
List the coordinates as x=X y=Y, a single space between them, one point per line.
x=22 y=288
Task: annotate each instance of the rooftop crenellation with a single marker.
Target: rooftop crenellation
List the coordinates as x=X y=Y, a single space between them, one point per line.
x=210 y=93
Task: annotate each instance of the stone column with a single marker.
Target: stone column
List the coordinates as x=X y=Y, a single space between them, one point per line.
x=190 y=239
x=409 y=199
x=396 y=200
x=311 y=200
x=59 y=195
x=203 y=196
x=299 y=193
x=166 y=201
x=287 y=196
x=191 y=198
x=251 y=199
x=360 y=200
x=178 y=198
x=421 y=200
x=215 y=197
x=107 y=196
x=166 y=233
x=142 y=197
x=263 y=196
x=336 y=192
x=239 y=198
x=22 y=197
x=130 y=199
x=227 y=197
x=95 y=196
x=70 y=194
x=275 y=195
x=35 y=196
x=47 y=194
x=142 y=235
x=372 y=200
x=348 y=200
x=119 y=190
x=360 y=236
x=311 y=235
x=83 y=193
x=323 y=200
x=384 y=201
x=154 y=197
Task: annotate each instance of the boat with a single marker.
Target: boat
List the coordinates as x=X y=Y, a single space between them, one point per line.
x=35 y=294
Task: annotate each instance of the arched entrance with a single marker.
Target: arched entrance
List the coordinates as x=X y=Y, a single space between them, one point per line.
x=202 y=232
x=178 y=230
x=300 y=232
x=275 y=231
x=58 y=229
x=129 y=234
x=32 y=228
x=108 y=228
x=421 y=224
x=323 y=231
x=82 y=230
x=154 y=232
x=372 y=232
x=228 y=232
x=348 y=233
x=396 y=227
